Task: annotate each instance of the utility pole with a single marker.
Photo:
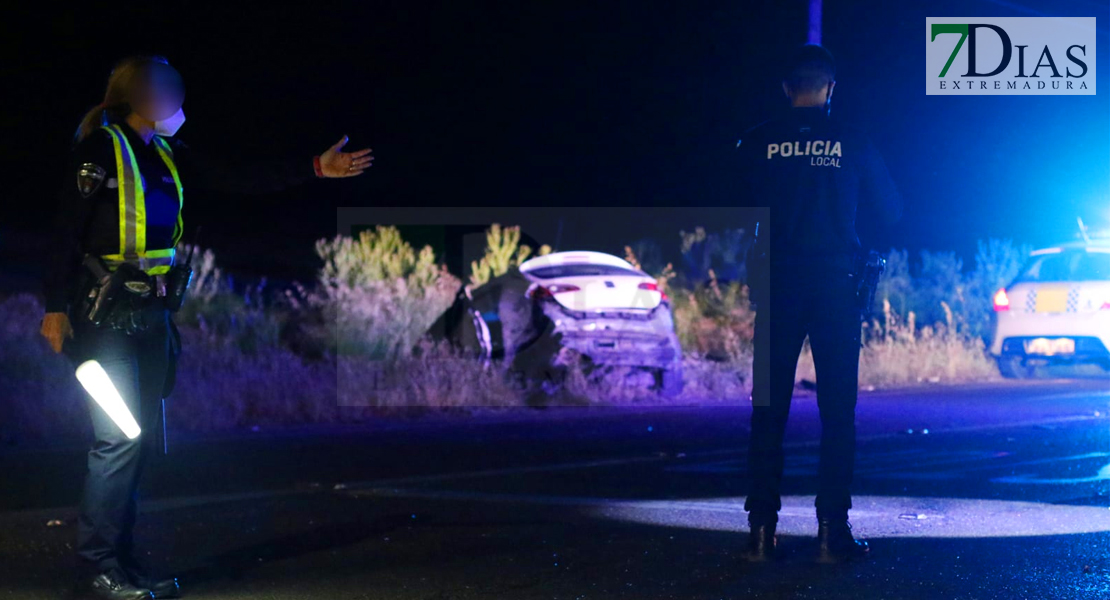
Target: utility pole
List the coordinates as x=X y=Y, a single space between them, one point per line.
x=814 y=22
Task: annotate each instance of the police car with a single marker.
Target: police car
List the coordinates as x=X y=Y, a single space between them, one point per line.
x=1056 y=311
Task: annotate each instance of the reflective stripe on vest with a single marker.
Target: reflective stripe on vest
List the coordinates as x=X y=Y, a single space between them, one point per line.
x=132 y=207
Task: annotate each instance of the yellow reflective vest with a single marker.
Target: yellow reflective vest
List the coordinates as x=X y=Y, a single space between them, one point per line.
x=132 y=208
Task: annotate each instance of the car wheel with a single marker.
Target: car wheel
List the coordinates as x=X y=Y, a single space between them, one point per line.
x=668 y=382
x=1011 y=367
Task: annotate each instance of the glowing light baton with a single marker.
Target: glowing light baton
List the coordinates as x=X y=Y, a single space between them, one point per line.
x=97 y=383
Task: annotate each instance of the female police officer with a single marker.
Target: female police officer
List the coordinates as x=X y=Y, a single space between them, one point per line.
x=120 y=212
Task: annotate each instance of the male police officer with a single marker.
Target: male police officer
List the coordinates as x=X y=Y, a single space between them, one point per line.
x=813 y=173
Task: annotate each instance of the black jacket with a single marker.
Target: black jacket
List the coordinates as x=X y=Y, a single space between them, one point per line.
x=90 y=224
x=814 y=173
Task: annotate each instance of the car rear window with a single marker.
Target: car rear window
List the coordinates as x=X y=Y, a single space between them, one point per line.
x=580 y=271
x=1067 y=266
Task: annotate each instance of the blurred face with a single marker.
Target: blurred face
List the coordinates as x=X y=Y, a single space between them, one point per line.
x=159 y=94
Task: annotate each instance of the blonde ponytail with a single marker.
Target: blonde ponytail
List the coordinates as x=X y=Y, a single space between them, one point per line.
x=125 y=76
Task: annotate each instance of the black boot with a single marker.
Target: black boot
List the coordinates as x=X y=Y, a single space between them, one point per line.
x=114 y=586
x=761 y=542
x=836 y=544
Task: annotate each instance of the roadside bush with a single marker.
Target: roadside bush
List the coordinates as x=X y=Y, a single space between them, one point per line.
x=377 y=295
x=714 y=320
x=503 y=250
x=646 y=255
x=40 y=396
x=938 y=282
x=997 y=263
x=212 y=306
x=938 y=279
x=721 y=252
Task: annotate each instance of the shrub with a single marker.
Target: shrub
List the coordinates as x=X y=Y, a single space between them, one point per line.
x=722 y=253
x=896 y=284
x=378 y=295
x=646 y=255
x=214 y=307
x=41 y=397
x=997 y=263
x=939 y=279
x=714 y=320
x=503 y=250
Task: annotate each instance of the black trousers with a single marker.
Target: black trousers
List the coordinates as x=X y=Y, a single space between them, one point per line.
x=138 y=366
x=818 y=300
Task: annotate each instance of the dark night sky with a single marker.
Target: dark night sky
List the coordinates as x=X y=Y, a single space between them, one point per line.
x=521 y=104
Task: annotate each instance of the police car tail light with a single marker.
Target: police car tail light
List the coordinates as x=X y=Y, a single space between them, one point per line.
x=651 y=286
x=1001 y=300
x=96 y=382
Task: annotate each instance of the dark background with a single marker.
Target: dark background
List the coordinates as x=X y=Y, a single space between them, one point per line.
x=523 y=104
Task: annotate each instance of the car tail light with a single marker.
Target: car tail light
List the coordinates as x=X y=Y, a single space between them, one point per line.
x=547 y=292
x=651 y=286
x=1001 y=300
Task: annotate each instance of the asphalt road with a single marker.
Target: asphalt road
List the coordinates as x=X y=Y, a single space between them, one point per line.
x=999 y=491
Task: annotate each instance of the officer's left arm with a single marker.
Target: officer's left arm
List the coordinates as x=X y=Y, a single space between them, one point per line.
x=878 y=191
x=260 y=177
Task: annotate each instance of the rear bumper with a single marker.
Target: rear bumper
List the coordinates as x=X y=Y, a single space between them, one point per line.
x=1091 y=333
x=630 y=339
x=629 y=349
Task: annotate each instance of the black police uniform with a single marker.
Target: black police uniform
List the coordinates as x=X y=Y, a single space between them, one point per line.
x=139 y=365
x=814 y=174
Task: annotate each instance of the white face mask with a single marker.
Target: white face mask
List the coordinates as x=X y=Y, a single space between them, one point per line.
x=169 y=126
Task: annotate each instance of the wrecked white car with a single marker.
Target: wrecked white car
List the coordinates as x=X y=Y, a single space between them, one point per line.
x=593 y=303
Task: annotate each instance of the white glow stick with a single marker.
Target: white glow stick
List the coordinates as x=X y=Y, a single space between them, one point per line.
x=97 y=383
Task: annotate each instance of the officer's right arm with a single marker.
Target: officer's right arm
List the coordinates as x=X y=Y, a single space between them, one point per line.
x=74 y=210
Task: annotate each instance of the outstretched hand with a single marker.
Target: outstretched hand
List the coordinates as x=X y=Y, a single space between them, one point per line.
x=336 y=163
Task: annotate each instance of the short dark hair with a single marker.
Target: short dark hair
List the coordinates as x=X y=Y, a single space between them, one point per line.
x=811 y=68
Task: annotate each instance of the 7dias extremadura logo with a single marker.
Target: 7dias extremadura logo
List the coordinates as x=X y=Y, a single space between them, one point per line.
x=994 y=56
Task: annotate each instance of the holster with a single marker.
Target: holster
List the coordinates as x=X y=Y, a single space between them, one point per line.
x=117 y=299
x=868 y=269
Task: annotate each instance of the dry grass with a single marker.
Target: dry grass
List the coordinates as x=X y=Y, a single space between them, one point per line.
x=898 y=353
